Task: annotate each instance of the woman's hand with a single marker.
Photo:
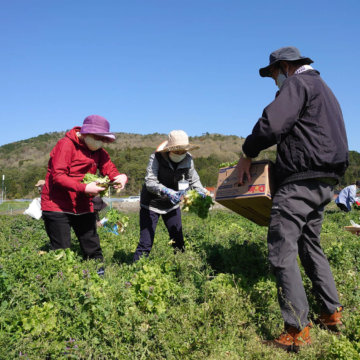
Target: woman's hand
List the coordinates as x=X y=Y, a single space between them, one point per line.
x=174 y=196
x=204 y=193
x=120 y=181
x=93 y=189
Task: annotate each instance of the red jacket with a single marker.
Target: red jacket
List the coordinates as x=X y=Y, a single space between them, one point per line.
x=70 y=160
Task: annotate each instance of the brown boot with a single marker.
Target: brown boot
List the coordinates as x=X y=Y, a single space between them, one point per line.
x=332 y=321
x=292 y=338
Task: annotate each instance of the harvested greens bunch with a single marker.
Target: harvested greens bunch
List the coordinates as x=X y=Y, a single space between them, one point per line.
x=196 y=203
x=101 y=181
x=228 y=164
x=114 y=217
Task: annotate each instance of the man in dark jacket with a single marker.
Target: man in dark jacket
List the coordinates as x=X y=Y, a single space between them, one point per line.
x=305 y=122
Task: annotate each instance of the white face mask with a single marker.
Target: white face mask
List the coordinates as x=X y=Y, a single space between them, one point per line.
x=280 y=79
x=176 y=157
x=93 y=144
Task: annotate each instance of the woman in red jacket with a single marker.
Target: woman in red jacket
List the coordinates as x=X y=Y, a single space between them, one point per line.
x=66 y=201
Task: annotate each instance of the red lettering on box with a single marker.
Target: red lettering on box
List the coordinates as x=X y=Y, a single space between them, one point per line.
x=256 y=189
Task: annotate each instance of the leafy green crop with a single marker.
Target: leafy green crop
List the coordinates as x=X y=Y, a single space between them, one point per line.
x=195 y=203
x=101 y=181
x=228 y=164
x=216 y=300
x=153 y=289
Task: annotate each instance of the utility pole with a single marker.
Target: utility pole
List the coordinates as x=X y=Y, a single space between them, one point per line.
x=110 y=197
x=2 y=188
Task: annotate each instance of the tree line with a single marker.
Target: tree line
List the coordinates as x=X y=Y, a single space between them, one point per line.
x=20 y=180
x=21 y=177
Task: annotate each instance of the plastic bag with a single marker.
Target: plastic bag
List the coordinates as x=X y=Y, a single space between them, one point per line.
x=109 y=228
x=113 y=229
x=34 y=209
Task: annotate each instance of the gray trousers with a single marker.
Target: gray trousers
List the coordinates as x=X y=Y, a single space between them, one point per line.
x=295 y=226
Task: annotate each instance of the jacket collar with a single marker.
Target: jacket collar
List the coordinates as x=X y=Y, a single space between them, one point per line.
x=72 y=135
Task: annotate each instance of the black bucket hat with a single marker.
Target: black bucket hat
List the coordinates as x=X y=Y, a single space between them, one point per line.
x=288 y=53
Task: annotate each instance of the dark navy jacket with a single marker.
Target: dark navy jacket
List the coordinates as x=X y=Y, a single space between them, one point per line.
x=306 y=123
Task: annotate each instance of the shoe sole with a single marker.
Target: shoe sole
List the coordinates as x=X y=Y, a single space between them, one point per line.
x=333 y=328
x=289 y=348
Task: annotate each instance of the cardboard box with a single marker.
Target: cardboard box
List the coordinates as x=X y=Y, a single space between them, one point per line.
x=251 y=200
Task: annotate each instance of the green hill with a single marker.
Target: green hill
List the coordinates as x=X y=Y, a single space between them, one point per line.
x=24 y=162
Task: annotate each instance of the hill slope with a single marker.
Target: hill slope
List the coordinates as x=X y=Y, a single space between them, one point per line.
x=24 y=162
x=36 y=150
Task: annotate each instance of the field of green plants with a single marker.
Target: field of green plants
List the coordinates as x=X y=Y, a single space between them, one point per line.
x=11 y=207
x=217 y=300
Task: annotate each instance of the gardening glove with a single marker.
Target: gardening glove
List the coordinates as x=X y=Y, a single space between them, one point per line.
x=174 y=196
x=202 y=193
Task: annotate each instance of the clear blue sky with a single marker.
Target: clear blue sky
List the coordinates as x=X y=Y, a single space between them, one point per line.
x=158 y=65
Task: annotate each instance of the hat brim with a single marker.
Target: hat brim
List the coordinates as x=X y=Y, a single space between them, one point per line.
x=163 y=147
x=265 y=71
x=109 y=136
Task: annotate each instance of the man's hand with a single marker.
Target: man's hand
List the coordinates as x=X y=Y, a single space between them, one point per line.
x=93 y=189
x=243 y=167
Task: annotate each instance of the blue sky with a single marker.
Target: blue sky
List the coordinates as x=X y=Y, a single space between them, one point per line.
x=158 y=65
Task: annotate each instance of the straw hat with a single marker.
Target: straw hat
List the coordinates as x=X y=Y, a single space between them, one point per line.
x=177 y=140
x=40 y=183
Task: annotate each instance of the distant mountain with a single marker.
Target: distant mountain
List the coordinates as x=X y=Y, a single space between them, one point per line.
x=24 y=162
x=36 y=150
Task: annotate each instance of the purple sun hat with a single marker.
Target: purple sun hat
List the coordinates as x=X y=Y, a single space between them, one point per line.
x=97 y=125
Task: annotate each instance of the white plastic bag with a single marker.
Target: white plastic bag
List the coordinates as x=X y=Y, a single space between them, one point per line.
x=34 y=209
x=103 y=220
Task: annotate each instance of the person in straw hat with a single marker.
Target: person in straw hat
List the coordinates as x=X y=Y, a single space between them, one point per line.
x=66 y=201
x=169 y=173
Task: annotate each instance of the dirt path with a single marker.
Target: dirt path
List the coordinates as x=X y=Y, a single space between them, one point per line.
x=135 y=206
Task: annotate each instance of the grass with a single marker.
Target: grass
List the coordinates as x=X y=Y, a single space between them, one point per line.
x=9 y=207
x=217 y=300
